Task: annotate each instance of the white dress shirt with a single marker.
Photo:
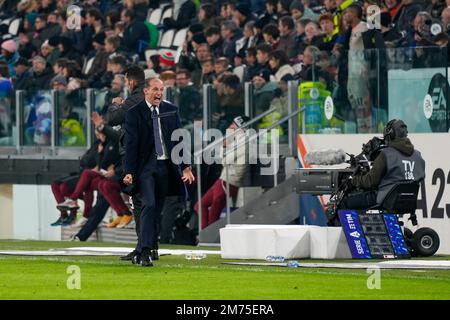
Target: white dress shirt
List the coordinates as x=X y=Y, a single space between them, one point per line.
x=164 y=156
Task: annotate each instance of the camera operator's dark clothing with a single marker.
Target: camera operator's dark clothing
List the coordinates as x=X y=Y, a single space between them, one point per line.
x=396 y=163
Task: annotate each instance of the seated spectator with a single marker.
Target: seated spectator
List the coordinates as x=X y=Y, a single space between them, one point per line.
x=221 y=65
x=43 y=31
x=115 y=65
x=22 y=73
x=59 y=66
x=184 y=15
x=297 y=9
x=188 y=99
x=287 y=37
x=63 y=187
x=279 y=65
x=247 y=41
x=67 y=51
x=59 y=83
x=112 y=44
x=9 y=55
x=49 y=52
x=251 y=63
x=271 y=35
x=91 y=179
x=154 y=64
x=328 y=39
x=242 y=14
x=208 y=72
x=262 y=56
x=230 y=34
x=263 y=93
x=214 y=40
x=25 y=49
x=40 y=76
x=116 y=90
x=214 y=200
x=136 y=36
x=231 y=100
x=98 y=66
x=207 y=16
x=283 y=8
x=391 y=36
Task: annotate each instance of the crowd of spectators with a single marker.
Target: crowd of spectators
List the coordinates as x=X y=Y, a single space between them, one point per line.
x=228 y=42
x=330 y=44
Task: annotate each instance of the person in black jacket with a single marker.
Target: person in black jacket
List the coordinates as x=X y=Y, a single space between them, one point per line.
x=136 y=36
x=22 y=74
x=40 y=75
x=186 y=14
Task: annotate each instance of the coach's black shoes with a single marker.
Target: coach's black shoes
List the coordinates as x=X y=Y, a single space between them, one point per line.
x=154 y=254
x=136 y=259
x=129 y=257
x=146 y=259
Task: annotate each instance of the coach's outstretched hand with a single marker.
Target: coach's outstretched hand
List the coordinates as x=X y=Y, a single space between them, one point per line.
x=188 y=176
x=128 y=180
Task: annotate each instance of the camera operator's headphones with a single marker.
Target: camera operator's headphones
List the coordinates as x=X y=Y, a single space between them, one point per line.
x=392 y=126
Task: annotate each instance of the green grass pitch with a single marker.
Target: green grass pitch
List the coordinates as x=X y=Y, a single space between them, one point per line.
x=174 y=277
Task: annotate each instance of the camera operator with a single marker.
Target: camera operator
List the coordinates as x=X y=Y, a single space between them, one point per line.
x=398 y=162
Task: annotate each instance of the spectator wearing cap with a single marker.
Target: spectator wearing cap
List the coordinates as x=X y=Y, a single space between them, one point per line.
x=271 y=35
x=283 y=8
x=230 y=33
x=235 y=173
x=188 y=99
x=182 y=17
x=59 y=83
x=167 y=60
x=287 y=36
x=41 y=75
x=263 y=93
x=98 y=66
x=9 y=55
x=242 y=14
x=136 y=35
x=328 y=39
x=22 y=74
x=214 y=40
x=279 y=65
x=297 y=10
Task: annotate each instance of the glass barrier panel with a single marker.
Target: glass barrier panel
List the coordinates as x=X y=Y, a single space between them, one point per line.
x=37 y=117
x=271 y=95
x=227 y=102
x=417 y=87
x=71 y=117
x=189 y=101
x=8 y=130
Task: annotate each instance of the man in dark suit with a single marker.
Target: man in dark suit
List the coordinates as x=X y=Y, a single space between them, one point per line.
x=148 y=164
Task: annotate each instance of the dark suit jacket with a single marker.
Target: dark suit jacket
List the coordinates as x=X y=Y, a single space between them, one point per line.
x=140 y=143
